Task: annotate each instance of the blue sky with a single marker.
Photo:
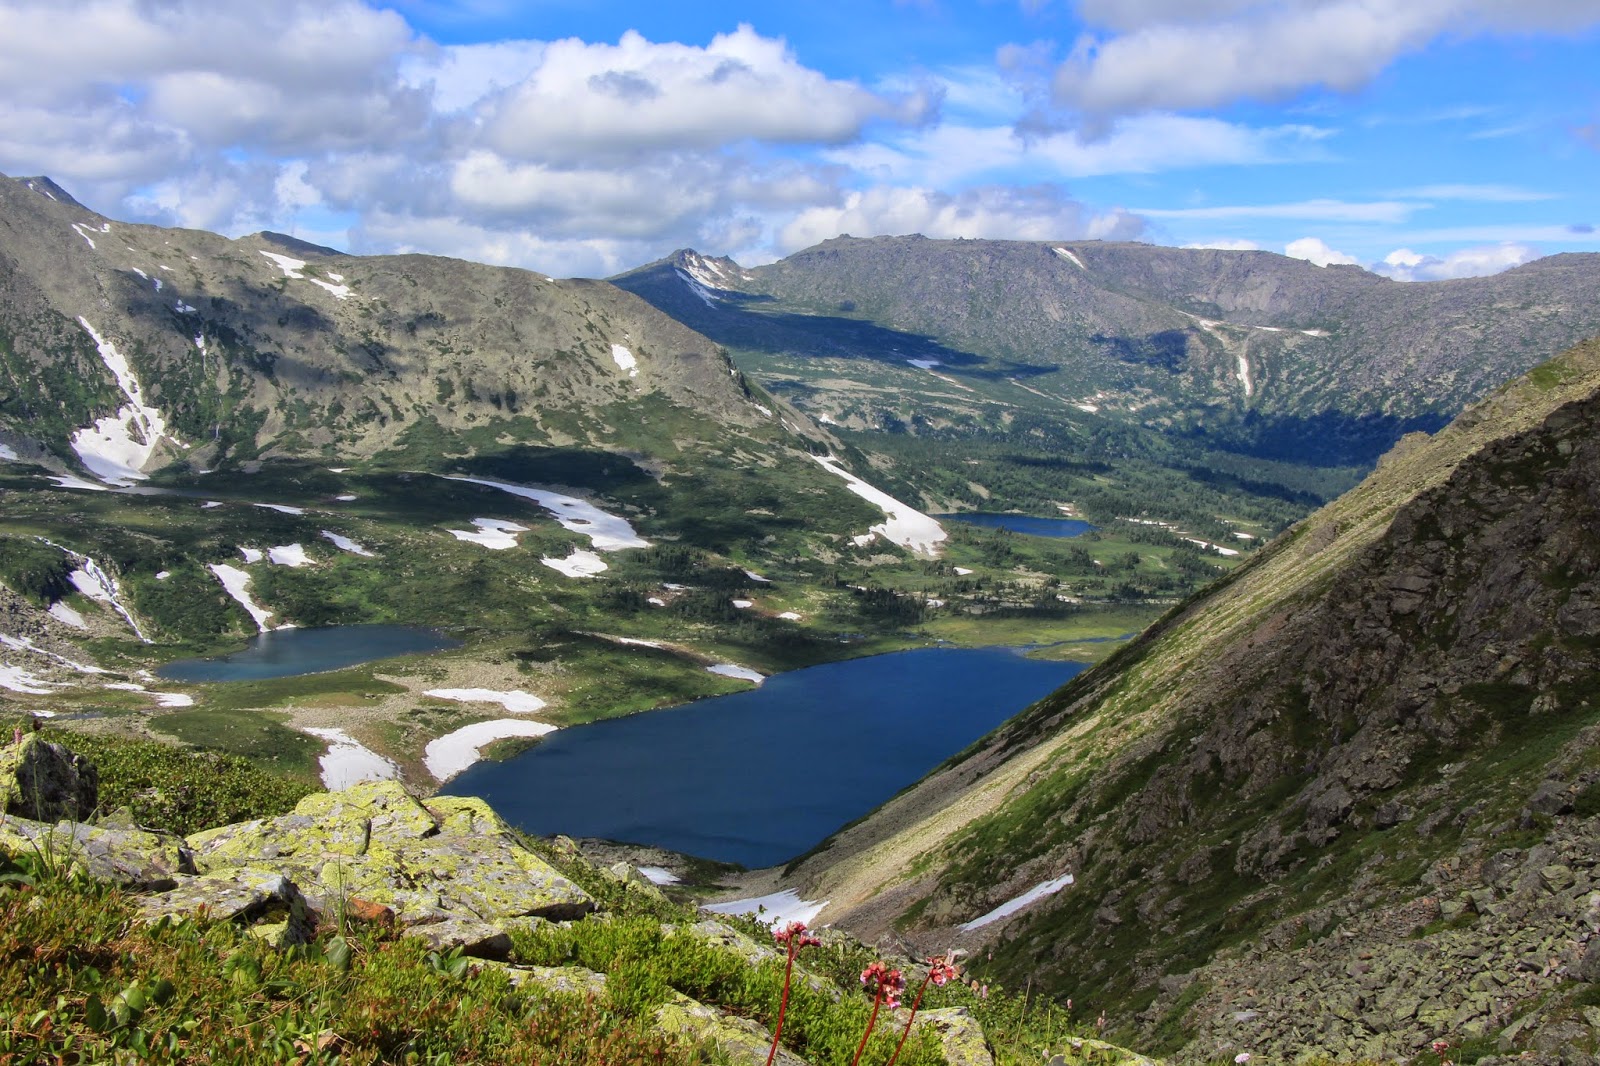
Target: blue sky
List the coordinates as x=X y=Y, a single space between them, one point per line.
x=1421 y=138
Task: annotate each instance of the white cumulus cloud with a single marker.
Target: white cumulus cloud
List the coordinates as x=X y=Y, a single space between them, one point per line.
x=1036 y=213
x=1314 y=250
x=1403 y=264
x=1182 y=54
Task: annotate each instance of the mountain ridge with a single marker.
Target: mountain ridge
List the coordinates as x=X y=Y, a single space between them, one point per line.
x=1192 y=785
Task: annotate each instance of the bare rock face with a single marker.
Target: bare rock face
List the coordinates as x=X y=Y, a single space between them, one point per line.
x=47 y=783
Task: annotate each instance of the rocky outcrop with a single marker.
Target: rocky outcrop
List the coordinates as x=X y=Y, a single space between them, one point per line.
x=46 y=782
x=449 y=860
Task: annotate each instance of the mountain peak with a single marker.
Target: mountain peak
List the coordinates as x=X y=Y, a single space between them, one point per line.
x=294 y=244
x=46 y=186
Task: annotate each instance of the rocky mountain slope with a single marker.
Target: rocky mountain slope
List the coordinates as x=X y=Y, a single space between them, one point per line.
x=1250 y=351
x=1346 y=801
x=231 y=350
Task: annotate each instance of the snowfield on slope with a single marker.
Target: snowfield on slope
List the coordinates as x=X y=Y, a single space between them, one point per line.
x=906 y=526
x=454 y=752
x=775 y=909
x=516 y=701
x=606 y=532
x=116 y=448
x=1012 y=906
x=349 y=762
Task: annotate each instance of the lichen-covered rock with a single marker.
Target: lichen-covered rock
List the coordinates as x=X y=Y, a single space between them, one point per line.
x=740 y=1039
x=960 y=1036
x=571 y=980
x=128 y=857
x=453 y=858
x=247 y=896
x=481 y=940
x=1084 y=1050
x=46 y=782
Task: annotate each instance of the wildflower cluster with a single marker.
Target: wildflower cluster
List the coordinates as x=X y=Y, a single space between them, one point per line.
x=884 y=983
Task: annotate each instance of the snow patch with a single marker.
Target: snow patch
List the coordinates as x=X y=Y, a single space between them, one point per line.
x=492 y=533
x=282 y=508
x=790 y=616
x=68 y=481
x=252 y=555
x=291 y=267
x=184 y=309
x=925 y=364
x=777 y=908
x=1315 y=332
x=24 y=644
x=656 y=601
x=19 y=680
x=516 y=701
x=1088 y=407
x=62 y=613
x=1066 y=254
x=346 y=544
x=340 y=292
x=579 y=564
x=1012 y=906
x=744 y=604
x=906 y=526
x=764 y=410
x=347 y=497
x=963 y=571
x=173 y=699
x=607 y=532
x=9 y=455
x=1244 y=374
x=348 y=762
x=454 y=752
x=237 y=584
x=741 y=673
x=162 y=575
x=753 y=576
x=659 y=875
x=117 y=447
x=625 y=360
x=288 y=555
x=79 y=230
x=101 y=587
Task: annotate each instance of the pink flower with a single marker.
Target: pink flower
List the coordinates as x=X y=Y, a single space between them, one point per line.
x=1242 y=1057
x=941 y=970
x=794 y=930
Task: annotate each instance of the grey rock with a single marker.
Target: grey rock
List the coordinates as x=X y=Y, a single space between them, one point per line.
x=45 y=782
x=477 y=938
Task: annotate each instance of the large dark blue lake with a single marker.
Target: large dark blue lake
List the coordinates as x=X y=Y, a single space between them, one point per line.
x=760 y=776
x=291 y=652
x=1022 y=523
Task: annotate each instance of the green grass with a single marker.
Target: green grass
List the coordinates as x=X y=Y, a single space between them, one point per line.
x=257 y=736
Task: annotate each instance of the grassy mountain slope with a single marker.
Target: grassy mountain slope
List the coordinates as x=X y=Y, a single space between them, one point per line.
x=1285 y=780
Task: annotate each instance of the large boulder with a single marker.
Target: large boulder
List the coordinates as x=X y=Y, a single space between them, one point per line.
x=132 y=858
x=46 y=782
x=450 y=858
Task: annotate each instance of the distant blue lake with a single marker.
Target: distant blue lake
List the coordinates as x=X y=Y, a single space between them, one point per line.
x=1021 y=523
x=758 y=777
x=291 y=652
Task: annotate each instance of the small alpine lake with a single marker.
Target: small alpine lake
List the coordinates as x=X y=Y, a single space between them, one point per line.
x=758 y=777
x=1021 y=523
x=292 y=652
